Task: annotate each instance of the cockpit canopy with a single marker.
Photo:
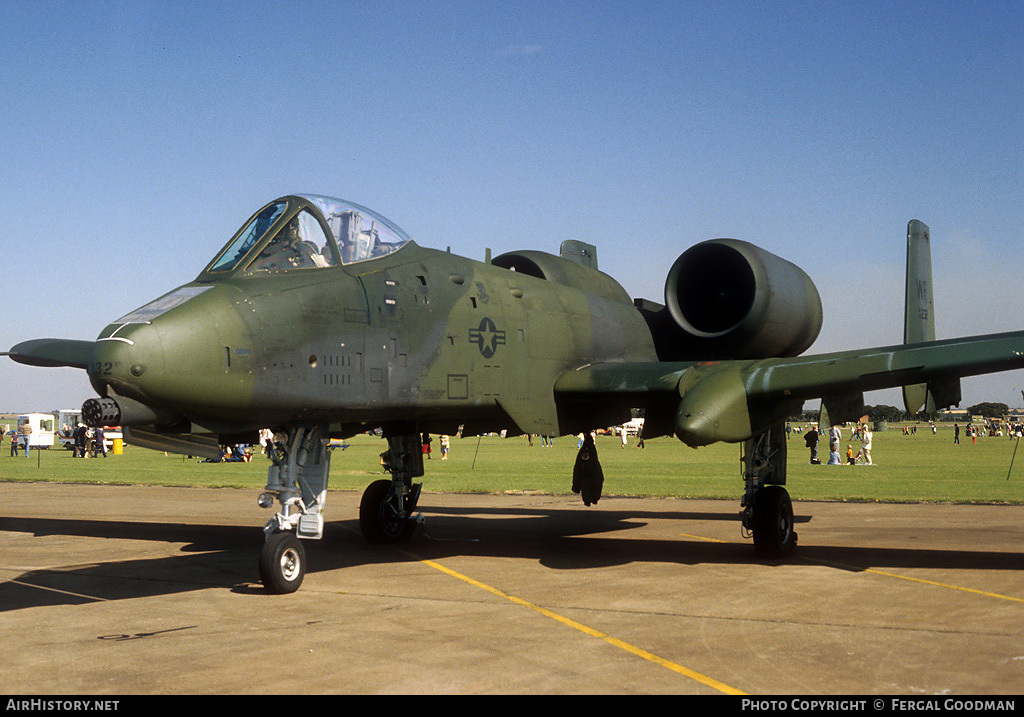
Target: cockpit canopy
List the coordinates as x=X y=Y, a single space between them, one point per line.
x=308 y=232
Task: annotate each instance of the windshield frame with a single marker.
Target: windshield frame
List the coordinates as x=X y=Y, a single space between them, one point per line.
x=222 y=264
x=324 y=210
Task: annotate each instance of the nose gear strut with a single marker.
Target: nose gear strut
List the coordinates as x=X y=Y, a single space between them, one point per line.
x=297 y=479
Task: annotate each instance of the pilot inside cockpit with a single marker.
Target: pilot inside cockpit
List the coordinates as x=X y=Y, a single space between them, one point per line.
x=284 y=251
x=300 y=244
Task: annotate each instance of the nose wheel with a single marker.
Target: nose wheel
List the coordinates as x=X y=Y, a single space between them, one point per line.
x=282 y=563
x=297 y=479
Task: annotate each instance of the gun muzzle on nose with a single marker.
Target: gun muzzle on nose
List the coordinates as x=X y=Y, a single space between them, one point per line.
x=120 y=412
x=101 y=412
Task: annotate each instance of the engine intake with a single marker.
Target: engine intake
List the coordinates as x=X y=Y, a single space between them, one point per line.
x=727 y=298
x=559 y=270
x=710 y=289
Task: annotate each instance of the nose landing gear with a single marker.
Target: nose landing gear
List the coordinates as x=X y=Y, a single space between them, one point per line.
x=282 y=563
x=298 y=480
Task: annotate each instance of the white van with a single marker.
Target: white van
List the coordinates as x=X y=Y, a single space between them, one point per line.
x=67 y=419
x=633 y=427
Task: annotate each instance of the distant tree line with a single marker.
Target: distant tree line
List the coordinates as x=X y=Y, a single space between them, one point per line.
x=892 y=414
x=989 y=410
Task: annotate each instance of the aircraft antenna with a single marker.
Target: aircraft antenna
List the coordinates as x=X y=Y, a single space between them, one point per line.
x=478 y=438
x=1015 y=447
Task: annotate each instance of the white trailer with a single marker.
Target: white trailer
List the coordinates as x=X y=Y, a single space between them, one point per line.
x=42 y=429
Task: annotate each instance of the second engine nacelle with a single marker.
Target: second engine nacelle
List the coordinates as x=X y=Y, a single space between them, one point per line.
x=727 y=298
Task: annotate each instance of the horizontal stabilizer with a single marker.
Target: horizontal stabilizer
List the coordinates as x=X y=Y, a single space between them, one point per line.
x=52 y=352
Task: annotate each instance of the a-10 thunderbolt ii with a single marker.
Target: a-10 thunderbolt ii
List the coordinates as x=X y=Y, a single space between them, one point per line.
x=321 y=318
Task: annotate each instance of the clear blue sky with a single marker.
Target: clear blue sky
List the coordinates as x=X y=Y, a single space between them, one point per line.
x=137 y=136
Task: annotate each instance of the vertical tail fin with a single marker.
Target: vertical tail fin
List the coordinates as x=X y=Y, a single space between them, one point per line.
x=919 y=322
x=919 y=308
x=919 y=316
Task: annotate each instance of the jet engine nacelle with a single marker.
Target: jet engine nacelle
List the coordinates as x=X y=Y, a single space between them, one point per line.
x=727 y=298
x=559 y=270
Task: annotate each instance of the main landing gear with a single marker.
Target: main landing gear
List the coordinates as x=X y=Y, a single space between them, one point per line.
x=385 y=511
x=767 y=509
x=298 y=480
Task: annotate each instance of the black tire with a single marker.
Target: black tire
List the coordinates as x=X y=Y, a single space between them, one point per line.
x=282 y=563
x=378 y=515
x=773 y=528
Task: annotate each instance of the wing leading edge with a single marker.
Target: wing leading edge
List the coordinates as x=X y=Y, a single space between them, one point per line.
x=732 y=401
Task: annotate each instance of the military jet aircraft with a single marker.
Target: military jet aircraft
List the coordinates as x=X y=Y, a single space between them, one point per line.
x=322 y=319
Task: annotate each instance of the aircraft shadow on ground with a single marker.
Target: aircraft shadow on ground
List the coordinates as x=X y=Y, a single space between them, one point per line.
x=570 y=539
x=560 y=539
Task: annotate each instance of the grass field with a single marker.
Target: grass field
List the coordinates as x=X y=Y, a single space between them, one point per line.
x=920 y=467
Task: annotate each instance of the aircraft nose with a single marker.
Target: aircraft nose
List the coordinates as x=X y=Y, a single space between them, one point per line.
x=123 y=361
x=177 y=361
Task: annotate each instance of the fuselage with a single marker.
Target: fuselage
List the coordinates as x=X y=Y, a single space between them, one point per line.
x=436 y=338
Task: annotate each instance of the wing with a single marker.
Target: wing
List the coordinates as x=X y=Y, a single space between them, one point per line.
x=732 y=401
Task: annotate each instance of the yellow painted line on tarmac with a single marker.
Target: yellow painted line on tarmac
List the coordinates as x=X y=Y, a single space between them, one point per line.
x=883 y=573
x=701 y=537
x=946 y=585
x=632 y=649
x=922 y=581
